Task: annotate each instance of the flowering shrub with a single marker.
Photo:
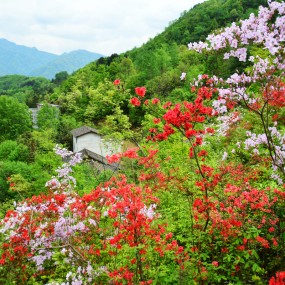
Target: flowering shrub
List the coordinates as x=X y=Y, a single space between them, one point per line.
x=236 y=228
x=108 y=235
x=212 y=217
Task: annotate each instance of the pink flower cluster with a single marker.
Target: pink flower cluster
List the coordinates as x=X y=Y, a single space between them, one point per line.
x=64 y=178
x=258 y=29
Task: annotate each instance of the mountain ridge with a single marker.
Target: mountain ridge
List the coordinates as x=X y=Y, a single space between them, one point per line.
x=29 y=61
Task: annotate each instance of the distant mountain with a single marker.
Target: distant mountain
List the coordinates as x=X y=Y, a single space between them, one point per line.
x=66 y=62
x=19 y=59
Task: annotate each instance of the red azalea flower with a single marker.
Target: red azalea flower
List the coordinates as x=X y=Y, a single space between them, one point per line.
x=135 y=101
x=156 y=120
x=140 y=91
x=115 y=158
x=117 y=81
x=131 y=153
x=168 y=236
x=280 y=279
x=155 y=101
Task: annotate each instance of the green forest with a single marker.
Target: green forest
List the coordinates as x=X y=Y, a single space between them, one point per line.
x=197 y=195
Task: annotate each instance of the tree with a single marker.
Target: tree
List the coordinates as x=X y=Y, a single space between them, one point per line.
x=66 y=124
x=13 y=151
x=15 y=118
x=127 y=68
x=117 y=127
x=48 y=117
x=60 y=77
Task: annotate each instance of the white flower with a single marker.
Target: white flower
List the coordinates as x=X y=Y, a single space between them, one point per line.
x=183 y=75
x=225 y=155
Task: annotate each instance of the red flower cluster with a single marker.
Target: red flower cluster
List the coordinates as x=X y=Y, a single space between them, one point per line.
x=140 y=91
x=135 y=101
x=275 y=95
x=279 y=279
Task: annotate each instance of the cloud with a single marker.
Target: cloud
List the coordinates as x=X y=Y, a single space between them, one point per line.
x=108 y=26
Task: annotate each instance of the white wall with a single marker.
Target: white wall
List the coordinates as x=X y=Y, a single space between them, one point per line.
x=95 y=143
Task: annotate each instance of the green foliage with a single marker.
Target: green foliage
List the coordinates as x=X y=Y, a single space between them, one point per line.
x=43 y=141
x=117 y=126
x=88 y=177
x=15 y=118
x=48 y=117
x=162 y=85
x=45 y=160
x=28 y=90
x=103 y=100
x=8 y=168
x=92 y=105
x=13 y=151
x=66 y=124
x=19 y=184
x=122 y=67
x=216 y=65
x=60 y=77
x=26 y=179
x=91 y=75
x=199 y=22
x=5 y=206
x=31 y=161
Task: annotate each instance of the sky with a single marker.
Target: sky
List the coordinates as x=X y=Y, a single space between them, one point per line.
x=101 y=26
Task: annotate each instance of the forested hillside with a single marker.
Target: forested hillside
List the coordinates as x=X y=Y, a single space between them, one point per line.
x=196 y=195
x=157 y=65
x=196 y=24
x=28 y=90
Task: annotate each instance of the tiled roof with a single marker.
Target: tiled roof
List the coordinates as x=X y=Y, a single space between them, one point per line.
x=99 y=158
x=82 y=131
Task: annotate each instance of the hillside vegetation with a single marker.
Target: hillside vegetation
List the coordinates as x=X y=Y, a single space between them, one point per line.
x=157 y=65
x=198 y=197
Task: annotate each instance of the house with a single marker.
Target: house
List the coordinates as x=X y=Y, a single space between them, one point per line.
x=91 y=144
